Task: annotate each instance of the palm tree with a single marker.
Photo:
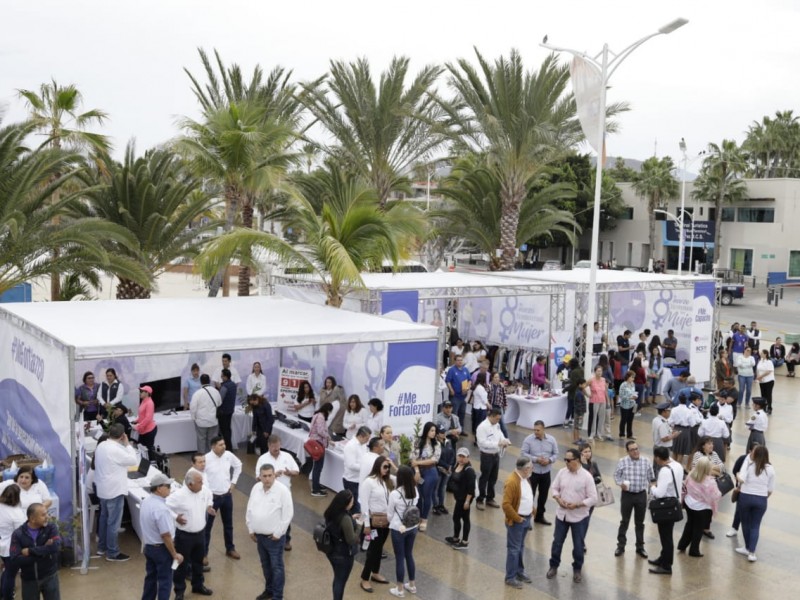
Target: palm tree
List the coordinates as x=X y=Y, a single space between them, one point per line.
x=720 y=181
x=379 y=132
x=344 y=230
x=245 y=155
x=56 y=113
x=522 y=121
x=475 y=211
x=32 y=222
x=657 y=184
x=772 y=147
x=154 y=198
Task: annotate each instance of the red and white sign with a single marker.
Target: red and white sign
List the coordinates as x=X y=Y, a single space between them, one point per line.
x=288 y=384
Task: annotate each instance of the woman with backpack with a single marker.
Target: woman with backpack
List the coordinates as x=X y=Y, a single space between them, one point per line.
x=462 y=482
x=344 y=536
x=403 y=524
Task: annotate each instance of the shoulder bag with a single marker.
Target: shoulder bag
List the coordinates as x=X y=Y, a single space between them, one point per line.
x=605 y=495
x=725 y=483
x=666 y=510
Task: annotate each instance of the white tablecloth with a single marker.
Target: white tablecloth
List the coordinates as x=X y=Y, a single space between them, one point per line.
x=333 y=470
x=526 y=411
x=176 y=431
x=138 y=490
x=292 y=440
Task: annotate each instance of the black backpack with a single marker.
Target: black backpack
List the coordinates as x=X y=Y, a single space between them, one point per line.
x=323 y=537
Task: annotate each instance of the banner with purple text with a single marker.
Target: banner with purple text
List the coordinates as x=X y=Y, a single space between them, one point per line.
x=514 y=321
x=702 y=330
x=410 y=384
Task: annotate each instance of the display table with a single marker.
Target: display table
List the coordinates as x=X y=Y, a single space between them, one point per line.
x=333 y=469
x=526 y=411
x=292 y=440
x=176 y=431
x=138 y=490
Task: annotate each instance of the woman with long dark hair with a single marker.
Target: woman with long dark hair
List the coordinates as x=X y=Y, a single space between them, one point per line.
x=639 y=381
x=757 y=483
x=319 y=432
x=334 y=393
x=403 y=497
x=424 y=460
x=373 y=496
x=765 y=376
x=263 y=420
x=305 y=403
x=345 y=534
x=462 y=482
x=655 y=366
x=355 y=416
x=12 y=516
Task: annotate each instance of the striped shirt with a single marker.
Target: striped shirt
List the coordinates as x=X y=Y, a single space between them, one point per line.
x=638 y=473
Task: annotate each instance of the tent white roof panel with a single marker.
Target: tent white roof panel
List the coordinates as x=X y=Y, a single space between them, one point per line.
x=171 y=326
x=605 y=277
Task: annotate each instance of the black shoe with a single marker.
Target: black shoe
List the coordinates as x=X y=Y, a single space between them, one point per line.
x=710 y=535
x=696 y=555
x=118 y=558
x=462 y=434
x=641 y=552
x=619 y=551
x=436 y=510
x=542 y=521
x=384 y=555
x=264 y=596
x=444 y=510
x=655 y=562
x=178 y=596
x=660 y=571
x=202 y=591
x=206 y=569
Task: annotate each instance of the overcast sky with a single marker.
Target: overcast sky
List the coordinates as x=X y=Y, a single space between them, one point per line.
x=735 y=61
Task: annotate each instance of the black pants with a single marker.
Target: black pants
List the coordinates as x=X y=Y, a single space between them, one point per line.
x=372 y=564
x=353 y=487
x=697 y=521
x=192 y=546
x=342 y=564
x=667 y=545
x=540 y=481
x=148 y=440
x=490 y=469
x=626 y=422
x=636 y=504
x=766 y=393
x=225 y=430
x=461 y=517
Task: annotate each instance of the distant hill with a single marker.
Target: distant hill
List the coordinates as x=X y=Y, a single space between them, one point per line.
x=636 y=165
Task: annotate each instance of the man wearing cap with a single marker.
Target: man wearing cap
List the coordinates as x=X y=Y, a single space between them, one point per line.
x=662 y=430
x=203 y=408
x=542 y=449
x=463 y=494
x=145 y=424
x=633 y=475
x=191 y=503
x=269 y=513
x=158 y=531
x=449 y=421
x=458 y=385
x=222 y=469
x=112 y=459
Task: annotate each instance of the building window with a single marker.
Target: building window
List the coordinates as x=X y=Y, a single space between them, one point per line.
x=627 y=213
x=756 y=215
x=794 y=263
x=742 y=260
x=728 y=214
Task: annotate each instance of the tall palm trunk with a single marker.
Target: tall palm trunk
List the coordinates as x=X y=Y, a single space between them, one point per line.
x=651 y=224
x=221 y=278
x=130 y=290
x=512 y=192
x=244 y=270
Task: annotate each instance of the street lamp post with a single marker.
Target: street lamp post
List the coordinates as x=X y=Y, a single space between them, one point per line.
x=606 y=67
x=679 y=223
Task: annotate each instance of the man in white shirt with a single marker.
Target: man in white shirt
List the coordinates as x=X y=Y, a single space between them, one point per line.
x=354 y=451
x=112 y=459
x=203 y=408
x=269 y=513
x=375 y=448
x=667 y=485
x=285 y=468
x=223 y=470
x=490 y=442
x=191 y=503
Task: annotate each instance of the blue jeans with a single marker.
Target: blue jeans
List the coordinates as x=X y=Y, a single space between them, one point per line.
x=503 y=427
x=8 y=579
x=653 y=386
x=427 y=489
x=403 y=545
x=223 y=504
x=316 y=471
x=158 y=573
x=745 y=383
x=640 y=390
x=46 y=588
x=751 y=510
x=353 y=487
x=342 y=566
x=271 y=554
x=515 y=547
x=110 y=520
x=441 y=490
x=478 y=415
x=578 y=535
x=460 y=408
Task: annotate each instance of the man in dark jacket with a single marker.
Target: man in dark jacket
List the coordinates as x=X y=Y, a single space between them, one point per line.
x=227 y=390
x=35 y=547
x=447 y=460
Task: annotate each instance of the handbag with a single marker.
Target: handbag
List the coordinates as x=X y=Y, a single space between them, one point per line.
x=605 y=495
x=379 y=520
x=725 y=484
x=314 y=449
x=735 y=496
x=666 y=510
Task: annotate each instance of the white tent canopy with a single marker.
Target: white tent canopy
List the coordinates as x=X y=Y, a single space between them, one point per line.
x=173 y=326
x=607 y=278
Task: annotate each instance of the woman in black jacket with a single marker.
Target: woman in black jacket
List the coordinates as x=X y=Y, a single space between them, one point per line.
x=345 y=534
x=462 y=482
x=262 y=420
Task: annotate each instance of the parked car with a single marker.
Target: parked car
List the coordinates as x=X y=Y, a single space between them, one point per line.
x=730 y=285
x=582 y=264
x=552 y=265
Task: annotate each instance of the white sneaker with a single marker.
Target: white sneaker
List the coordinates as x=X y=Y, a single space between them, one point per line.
x=743 y=550
x=752 y=557
x=410 y=588
x=731 y=532
x=398 y=593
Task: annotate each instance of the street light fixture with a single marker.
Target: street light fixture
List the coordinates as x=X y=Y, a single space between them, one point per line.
x=606 y=68
x=682 y=243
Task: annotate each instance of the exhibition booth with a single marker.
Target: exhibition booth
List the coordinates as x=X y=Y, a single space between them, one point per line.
x=52 y=345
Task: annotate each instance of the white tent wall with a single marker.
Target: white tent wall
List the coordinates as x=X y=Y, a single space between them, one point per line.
x=36 y=404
